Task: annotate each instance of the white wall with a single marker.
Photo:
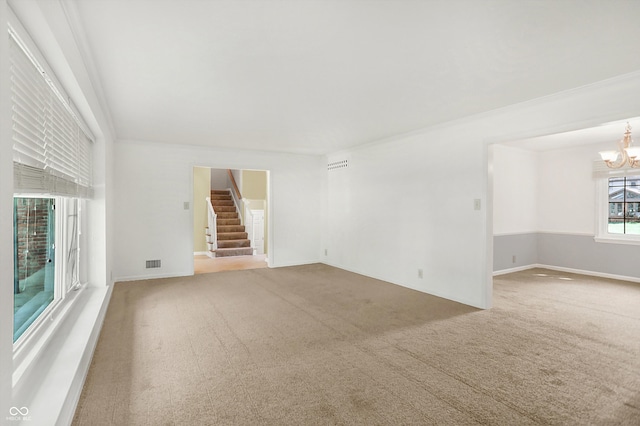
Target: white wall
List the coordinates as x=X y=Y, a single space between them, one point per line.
x=400 y=206
x=6 y=226
x=51 y=383
x=201 y=191
x=154 y=180
x=408 y=202
x=567 y=196
x=220 y=179
x=515 y=190
x=548 y=191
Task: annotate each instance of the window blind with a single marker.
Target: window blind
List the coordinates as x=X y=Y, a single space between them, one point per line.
x=51 y=151
x=601 y=171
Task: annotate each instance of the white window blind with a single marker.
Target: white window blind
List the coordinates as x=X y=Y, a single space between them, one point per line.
x=51 y=151
x=601 y=170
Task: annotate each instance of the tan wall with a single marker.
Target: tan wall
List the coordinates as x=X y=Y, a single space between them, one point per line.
x=254 y=187
x=254 y=184
x=201 y=190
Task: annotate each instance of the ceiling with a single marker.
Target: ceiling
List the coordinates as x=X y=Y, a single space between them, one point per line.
x=321 y=76
x=607 y=133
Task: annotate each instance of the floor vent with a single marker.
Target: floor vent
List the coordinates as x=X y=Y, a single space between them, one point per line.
x=153 y=263
x=338 y=165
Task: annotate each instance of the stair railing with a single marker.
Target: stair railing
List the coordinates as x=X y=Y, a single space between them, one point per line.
x=212 y=222
x=249 y=224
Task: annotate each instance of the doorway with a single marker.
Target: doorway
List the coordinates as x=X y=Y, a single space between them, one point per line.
x=236 y=201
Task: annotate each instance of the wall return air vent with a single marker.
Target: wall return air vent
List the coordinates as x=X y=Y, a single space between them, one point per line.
x=335 y=165
x=154 y=263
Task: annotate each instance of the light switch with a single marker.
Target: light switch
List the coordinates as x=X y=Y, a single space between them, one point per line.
x=476 y=204
x=186 y=205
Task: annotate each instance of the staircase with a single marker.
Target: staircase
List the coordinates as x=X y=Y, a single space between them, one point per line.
x=232 y=238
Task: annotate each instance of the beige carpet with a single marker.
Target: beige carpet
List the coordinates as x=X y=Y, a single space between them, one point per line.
x=317 y=345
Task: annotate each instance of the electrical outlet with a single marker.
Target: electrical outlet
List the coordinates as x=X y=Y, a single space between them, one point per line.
x=325 y=252
x=513 y=259
x=477 y=204
x=420 y=275
x=185 y=205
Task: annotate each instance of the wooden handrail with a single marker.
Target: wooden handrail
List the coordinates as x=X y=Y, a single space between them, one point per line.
x=235 y=186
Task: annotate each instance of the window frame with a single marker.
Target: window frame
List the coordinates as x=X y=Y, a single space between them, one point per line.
x=602 y=213
x=61 y=288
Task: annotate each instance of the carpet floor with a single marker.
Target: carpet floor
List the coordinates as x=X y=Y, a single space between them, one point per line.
x=316 y=345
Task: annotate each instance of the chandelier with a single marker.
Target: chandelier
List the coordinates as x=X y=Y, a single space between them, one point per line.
x=626 y=154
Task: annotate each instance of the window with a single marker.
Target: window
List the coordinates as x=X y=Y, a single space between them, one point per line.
x=52 y=178
x=619 y=211
x=34 y=260
x=624 y=203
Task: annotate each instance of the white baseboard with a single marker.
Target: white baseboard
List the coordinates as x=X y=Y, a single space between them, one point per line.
x=149 y=277
x=516 y=269
x=591 y=273
x=569 y=270
x=287 y=264
x=200 y=253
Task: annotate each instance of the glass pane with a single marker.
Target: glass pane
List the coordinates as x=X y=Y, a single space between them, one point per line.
x=34 y=260
x=616 y=181
x=71 y=257
x=624 y=205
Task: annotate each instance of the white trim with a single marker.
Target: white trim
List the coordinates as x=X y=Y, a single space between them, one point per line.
x=516 y=269
x=539 y=102
x=68 y=409
x=602 y=216
x=571 y=271
x=150 y=277
x=507 y=234
x=59 y=371
x=77 y=29
x=200 y=253
x=288 y=264
x=579 y=234
x=618 y=240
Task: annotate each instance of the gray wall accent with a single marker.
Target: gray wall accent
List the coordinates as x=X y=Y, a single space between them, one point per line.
x=583 y=253
x=523 y=246
x=571 y=251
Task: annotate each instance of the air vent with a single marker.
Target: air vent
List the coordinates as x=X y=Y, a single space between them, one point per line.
x=334 y=165
x=153 y=263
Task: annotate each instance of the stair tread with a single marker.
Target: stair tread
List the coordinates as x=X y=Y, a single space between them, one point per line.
x=234 y=244
x=232 y=236
x=226 y=252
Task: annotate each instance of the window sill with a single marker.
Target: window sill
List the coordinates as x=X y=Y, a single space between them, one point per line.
x=617 y=240
x=58 y=369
